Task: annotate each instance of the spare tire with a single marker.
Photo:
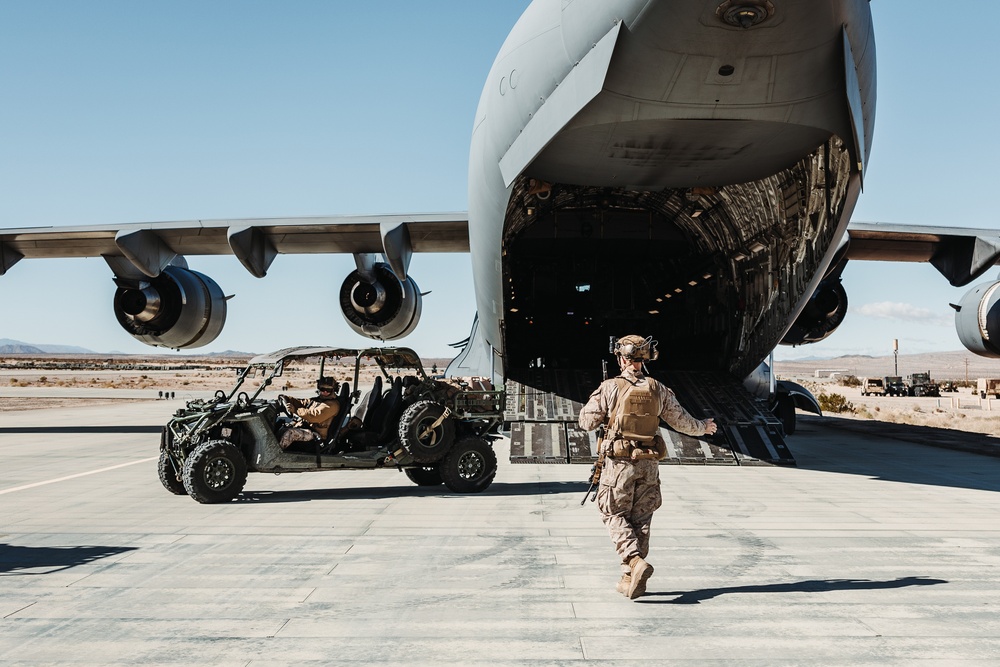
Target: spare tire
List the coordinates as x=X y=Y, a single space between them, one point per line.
x=424 y=441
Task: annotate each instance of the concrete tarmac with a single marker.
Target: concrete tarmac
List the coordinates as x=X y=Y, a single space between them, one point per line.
x=871 y=552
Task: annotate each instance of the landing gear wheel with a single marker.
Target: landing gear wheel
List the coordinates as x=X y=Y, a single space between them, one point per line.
x=470 y=466
x=168 y=476
x=215 y=472
x=429 y=476
x=424 y=441
x=786 y=413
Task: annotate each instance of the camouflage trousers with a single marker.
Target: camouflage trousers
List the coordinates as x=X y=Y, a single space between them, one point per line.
x=292 y=435
x=627 y=497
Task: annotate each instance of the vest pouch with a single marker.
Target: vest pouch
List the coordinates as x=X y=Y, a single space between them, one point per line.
x=659 y=446
x=639 y=427
x=621 y=449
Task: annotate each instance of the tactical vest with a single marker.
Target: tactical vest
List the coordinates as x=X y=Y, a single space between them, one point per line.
x=636 y=416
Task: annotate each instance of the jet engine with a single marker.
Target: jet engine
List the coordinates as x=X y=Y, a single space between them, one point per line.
x=824 y=312
x=178 y=309
x=977 y=318
x=380 y=305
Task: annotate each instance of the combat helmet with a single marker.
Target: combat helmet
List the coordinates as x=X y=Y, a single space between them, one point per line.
x=326 y=384
x=635 y=348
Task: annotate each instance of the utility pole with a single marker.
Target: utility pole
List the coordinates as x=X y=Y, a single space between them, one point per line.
x=966 y=371
x=895 y=354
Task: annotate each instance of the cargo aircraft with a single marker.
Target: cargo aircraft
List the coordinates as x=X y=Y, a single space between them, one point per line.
x=686 y=169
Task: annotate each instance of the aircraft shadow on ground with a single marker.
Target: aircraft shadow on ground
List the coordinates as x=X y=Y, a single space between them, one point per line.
x=383 y=492
x=78 y=430
x=898 y=457
x=22 y=561
x=808 y=586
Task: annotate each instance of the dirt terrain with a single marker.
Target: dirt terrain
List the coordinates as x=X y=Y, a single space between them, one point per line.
x=76 y=380
x=23 y=381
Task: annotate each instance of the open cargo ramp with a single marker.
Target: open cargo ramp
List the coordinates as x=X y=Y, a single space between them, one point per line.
x=543 y=424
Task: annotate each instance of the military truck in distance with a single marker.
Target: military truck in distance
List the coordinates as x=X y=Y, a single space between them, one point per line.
x=987 y=386
x=872 y=387
x=920 y=384
x=894 y=385
x=435 y=431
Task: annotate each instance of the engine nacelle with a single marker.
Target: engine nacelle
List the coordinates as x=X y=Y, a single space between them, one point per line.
x=178 y=309
x=977 y=319
x=824 y=312
x=386 y=308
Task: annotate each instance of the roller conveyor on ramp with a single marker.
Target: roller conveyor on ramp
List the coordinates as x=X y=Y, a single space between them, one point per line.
x=543 y=424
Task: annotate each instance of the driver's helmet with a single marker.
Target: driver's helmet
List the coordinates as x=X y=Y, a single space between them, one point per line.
x=326 y=384
x=636 y=348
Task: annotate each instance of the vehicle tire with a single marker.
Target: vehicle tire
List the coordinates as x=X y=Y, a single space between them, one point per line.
x=470 y=466
x=429 y=476
x=423 y=443
x=786 y=413
x=168 y=478
x=215 y=472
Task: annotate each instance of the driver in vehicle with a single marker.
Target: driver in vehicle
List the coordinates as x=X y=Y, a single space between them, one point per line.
x=313 y=416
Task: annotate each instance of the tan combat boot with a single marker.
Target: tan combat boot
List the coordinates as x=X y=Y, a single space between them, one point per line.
x=641 y=572
x=624 y=584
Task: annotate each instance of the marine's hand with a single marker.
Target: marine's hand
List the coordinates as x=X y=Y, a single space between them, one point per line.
x=710 y=426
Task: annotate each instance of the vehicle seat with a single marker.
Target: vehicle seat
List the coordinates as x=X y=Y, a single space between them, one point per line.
x=374 y=398
x=383 y=421
x=340 y=421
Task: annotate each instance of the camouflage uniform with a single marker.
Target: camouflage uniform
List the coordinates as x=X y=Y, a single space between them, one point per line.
x=629 y=491
x=317 y=412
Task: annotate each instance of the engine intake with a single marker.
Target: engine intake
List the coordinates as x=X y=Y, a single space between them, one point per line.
x=385 y=308
x=824 y=312
x=977 y=319
x=178 y=309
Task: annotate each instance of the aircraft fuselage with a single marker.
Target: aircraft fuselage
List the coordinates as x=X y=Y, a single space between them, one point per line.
x=680 y=169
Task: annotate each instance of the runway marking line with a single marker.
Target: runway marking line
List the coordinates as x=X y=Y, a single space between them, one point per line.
x=79 y=474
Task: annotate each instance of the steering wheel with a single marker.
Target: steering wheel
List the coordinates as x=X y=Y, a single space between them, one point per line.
x=282 y=406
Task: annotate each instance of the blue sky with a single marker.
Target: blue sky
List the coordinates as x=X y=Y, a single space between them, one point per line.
x=122 y=111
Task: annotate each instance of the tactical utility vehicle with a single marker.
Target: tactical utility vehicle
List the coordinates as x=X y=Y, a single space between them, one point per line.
x=986 y=386
x=872 y=386
x=436 y=431
x=920 y=384
x=894 y=385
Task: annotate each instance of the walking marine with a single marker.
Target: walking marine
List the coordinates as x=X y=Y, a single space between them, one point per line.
x=630 y=408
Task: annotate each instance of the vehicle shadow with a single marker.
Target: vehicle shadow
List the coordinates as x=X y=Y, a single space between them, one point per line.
x=896 y=452
x=17 y=560
x=79 y=429
x=411 y=491
x=807 y=586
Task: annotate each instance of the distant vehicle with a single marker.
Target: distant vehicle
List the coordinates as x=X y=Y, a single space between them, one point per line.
x=920 y=384
x=435 y=431
x=987 y=386
x=894 y=385
x=872 y=386
x=949 y=385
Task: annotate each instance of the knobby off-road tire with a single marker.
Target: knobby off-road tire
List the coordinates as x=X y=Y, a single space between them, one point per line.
x=168 y=477
x=470 y=466
x=429 y=476
x=215 y=472
x=423 y=443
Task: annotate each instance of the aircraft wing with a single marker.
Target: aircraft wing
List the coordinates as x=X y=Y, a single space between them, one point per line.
x=960 y=254
x=255 y=242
